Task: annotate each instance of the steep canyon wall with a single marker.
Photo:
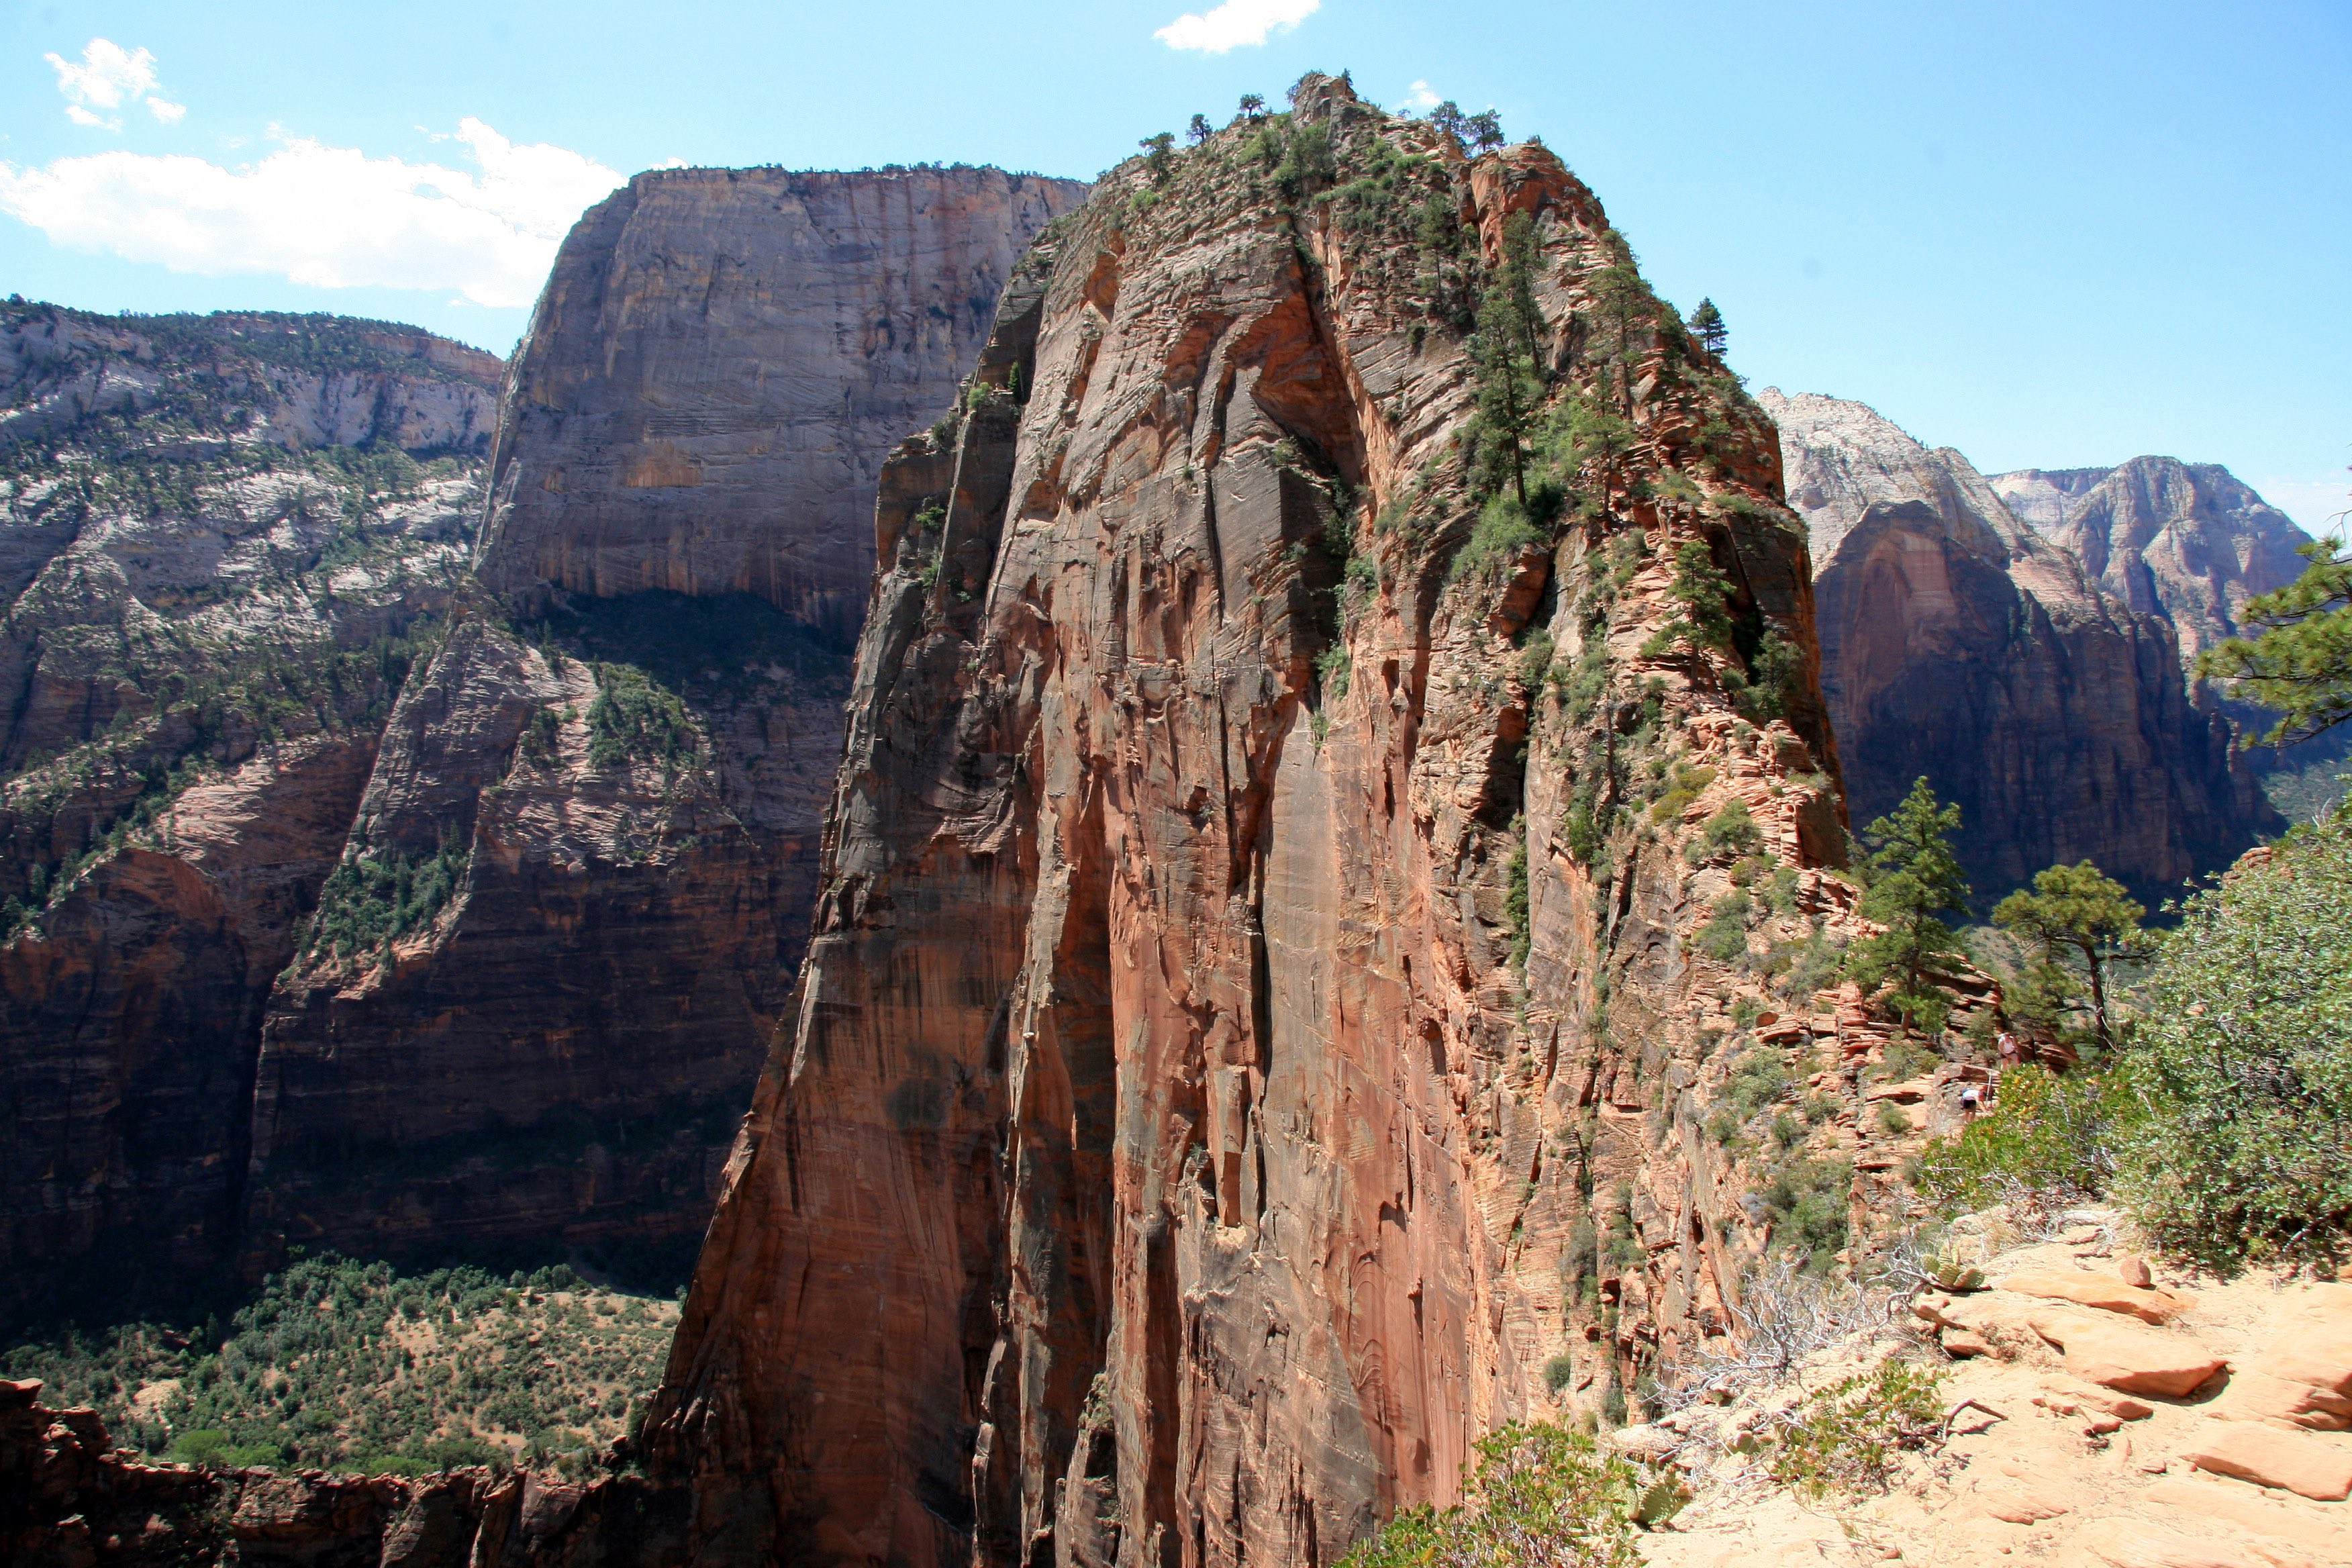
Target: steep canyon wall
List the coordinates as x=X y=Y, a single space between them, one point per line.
x=1960 y=645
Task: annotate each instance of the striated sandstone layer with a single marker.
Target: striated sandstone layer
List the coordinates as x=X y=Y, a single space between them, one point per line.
x=627 y=760
x=1258 y=1017
x=720 y=361
x=1960 y=645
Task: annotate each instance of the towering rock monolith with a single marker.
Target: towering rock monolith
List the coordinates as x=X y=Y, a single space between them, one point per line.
x=1283 y=896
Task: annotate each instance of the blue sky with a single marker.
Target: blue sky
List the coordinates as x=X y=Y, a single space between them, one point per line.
x=2048 y=233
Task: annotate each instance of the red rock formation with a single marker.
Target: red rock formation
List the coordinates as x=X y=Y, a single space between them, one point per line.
x=1959 y=645
x=1170 y=1158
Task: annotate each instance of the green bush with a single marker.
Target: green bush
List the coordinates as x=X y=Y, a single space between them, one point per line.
x=1501 y=532
x=1724 y=936
x=2241 y=1063
x=1732 y=830
x=2045 y=1135
x=1541 y=1495
x=1684 y=788
x=1805 y=1200
x=368 y=902
x=1560 y=1371
x=632 y=718
x=1850 y=1437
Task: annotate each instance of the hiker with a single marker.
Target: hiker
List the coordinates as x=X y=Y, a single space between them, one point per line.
x=1971 y=1099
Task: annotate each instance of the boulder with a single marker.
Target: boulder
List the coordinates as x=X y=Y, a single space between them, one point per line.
x=2133 y=1270
x=2127 y=1357
x=2104 y=1292
x=2270 y=1456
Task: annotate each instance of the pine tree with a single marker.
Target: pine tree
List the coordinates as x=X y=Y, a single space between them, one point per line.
x=1199 y=131
x=1486 y=129
x=1158 y=155
x=2077 y=916
x=1506 y=352
x=1253 y=107
x=1915 y=879
x=1706 y=324
x=1448 y=117
x=2299 y=664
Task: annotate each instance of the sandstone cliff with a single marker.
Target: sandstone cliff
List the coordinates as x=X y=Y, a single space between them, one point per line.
x=2187 y=541
x=2192 y=543
x=1287 y=925
x=720 y=361
x=210 y=607
x=618 y=773
x=1959 y=644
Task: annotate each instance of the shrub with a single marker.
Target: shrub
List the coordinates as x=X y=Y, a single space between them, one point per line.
x=2242 y=1063
x=1560 y=1371
x=1501 y=532
x=634 y=719
x=1757 y=1080
x=1684 y=788
x=1893 y=1119
x=369 y=901
x=2047 y=1135
x=1805 y=1202
x=1850 y=1437
x=1541 y=1494
x=1732 y=830
x=1723 y=937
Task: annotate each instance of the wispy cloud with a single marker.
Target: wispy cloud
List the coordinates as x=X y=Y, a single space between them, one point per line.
x=109 y=77
x=327 y=216
x=1421 y=99
x=1234 y=23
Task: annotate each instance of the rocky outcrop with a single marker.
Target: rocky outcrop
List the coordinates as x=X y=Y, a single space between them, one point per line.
x=720 y=361
x=1258 y=1016
x=2187 y=541
x=2192 y=543
x=231 y=377
x=1959 y=645
x=621 y=770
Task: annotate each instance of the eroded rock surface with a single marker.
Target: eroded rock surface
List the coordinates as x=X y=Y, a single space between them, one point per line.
x=627 y=758
x=1960 y=644
x=720 y=361
x=1257 y=954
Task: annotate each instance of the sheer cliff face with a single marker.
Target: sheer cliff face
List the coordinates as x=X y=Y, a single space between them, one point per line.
x=1959 y=644
x=212 y=597
x=627 y=762
x=720 y=361
x=1253 y=958
x=2187 y=541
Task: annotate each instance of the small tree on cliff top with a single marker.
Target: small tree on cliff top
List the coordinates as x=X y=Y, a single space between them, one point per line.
x=2299 y=665
x=1199 y=131
x=1914 y=878
x=1706 y=326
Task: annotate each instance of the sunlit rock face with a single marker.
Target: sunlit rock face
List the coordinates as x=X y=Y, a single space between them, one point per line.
x=1960 y=645
x=1254 y=948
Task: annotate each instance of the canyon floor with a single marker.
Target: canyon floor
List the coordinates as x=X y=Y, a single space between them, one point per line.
x=2049 y=1459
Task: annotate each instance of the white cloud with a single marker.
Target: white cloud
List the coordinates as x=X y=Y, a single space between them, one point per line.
x=1235 y=22
x=327 y=216
x=109 y=76
x=1421 y=99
